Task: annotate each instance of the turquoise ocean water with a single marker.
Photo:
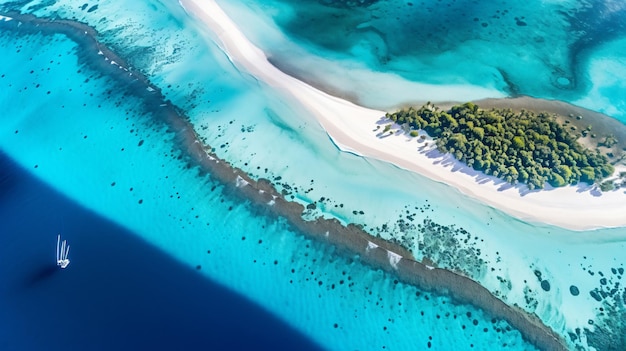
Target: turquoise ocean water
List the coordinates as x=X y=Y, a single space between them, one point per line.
x=566 y=50
x=77 y=130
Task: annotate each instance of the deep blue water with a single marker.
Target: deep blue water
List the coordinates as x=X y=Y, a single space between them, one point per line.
x=118 y=293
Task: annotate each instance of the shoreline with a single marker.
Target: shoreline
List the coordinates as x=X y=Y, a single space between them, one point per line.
x=261 y=195
x=580 y=207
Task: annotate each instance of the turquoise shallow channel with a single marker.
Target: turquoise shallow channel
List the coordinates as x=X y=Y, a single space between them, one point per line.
x=83 y=133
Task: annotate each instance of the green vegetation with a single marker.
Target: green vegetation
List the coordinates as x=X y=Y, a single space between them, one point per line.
x=609 y=141
x=607 y=186
x=516 y=147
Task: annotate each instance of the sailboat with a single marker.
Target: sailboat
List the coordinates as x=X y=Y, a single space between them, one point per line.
x=63 y=250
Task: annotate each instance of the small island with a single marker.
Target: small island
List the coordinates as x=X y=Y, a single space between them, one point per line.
x=518 y=147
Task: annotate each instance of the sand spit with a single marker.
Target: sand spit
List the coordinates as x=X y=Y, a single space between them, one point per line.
x=580 y=207
x=263 y=197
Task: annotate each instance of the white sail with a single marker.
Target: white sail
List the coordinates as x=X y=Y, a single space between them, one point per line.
x=63 y=251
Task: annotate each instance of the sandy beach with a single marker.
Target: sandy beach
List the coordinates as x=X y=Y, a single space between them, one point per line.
x=353 y=129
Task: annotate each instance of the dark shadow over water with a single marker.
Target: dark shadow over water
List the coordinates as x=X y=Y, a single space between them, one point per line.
x=118 y=293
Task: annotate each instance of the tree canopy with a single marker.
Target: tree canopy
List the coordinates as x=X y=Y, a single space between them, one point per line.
x=517 y=147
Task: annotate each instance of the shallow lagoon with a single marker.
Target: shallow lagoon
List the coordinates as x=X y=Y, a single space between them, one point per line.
x=546 y=49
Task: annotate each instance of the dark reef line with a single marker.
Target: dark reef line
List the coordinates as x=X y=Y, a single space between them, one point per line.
x=263 y=197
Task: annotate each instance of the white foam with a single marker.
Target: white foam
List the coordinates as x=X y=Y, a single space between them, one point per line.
x=273 y=200
x=241 y=182
x=370 y=246
x=394 y=258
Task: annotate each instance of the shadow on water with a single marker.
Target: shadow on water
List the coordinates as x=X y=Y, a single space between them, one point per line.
x=118 y=293
x=40 y=275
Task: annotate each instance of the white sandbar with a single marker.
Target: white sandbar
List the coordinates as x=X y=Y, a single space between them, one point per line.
x=351 y=127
